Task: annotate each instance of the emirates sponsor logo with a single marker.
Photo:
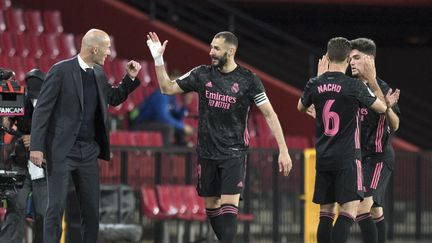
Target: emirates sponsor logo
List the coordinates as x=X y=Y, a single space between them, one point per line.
x=218 y=100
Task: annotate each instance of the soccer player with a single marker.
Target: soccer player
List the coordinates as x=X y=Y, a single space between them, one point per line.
x=226 y=91
x=377 y=152
x=337 y=98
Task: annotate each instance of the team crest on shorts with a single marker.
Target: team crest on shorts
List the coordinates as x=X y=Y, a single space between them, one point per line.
x=235 y=88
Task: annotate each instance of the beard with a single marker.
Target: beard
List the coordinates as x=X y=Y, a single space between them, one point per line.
x=221 y=61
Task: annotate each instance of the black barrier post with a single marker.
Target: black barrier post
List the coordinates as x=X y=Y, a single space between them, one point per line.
x=158 y=168
x=124 y=167
x=418 y=198
x=276 y=200
x=302 y=192
x=188 y=168
x=188 y=181
x=389 y=209
x=158 y=225
x=247 y=206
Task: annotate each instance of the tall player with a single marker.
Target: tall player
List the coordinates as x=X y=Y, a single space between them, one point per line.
x=337 y=99
x=377 y=152
x=226 y=91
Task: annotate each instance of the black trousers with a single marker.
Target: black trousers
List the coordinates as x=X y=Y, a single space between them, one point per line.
x=81 y=165
x=13 y=227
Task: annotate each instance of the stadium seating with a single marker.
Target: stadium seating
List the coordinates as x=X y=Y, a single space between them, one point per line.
x=5 y=4
x=15 y=20
x=52 y=22
x=33 y=22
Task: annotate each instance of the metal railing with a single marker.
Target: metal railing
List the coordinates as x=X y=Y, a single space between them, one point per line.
x=277 y=201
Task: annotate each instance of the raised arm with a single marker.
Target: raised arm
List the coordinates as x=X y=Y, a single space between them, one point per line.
x=157 y=50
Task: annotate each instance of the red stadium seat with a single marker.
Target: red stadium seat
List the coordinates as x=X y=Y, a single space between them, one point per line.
x=15 y=20
x=7 y=45
x=2 y=22
x=33 y=22
x=49 y=45
x=120 y=138
x=45 y=63
x=118 y=69
x=21 y=44
x=194 y=203
x=52 y=22
x=167 y=201
x=150 y=205
x=34 y=46
x=146 y=138
x=144 y=74
x=110 y=171
x=16 y=65
x=4 y=61
x=66 y=44
x=5 y=4
x=28 y=64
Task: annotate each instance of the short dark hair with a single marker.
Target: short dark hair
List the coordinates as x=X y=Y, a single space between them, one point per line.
x=229 y=37
x=365 y=45
x=338 y=49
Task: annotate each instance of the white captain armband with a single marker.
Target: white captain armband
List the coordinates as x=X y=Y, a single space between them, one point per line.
x=260 y=99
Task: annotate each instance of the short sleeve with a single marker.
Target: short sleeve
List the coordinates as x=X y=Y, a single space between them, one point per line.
x=363 y=94
x=257 y=91
x=306 y=98
x=190 y=80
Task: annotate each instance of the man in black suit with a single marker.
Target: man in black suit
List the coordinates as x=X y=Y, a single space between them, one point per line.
x=70 y=130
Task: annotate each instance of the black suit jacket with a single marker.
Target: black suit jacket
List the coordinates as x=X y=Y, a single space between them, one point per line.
x=59 y=111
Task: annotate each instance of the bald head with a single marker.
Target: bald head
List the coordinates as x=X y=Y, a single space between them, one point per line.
x=94 y=38
x=95 y=47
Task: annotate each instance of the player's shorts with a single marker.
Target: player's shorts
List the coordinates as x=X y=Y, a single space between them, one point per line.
x=339 y=186
x=376 y=175
x=221 y=177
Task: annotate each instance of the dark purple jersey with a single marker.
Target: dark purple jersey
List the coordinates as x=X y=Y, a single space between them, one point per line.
x=375 y=132
x=337 y=99
x=224 y=106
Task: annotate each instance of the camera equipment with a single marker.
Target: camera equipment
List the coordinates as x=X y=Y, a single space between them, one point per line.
x=34 y=79
x=11 y=95
x=11 y=104
x=10 y=181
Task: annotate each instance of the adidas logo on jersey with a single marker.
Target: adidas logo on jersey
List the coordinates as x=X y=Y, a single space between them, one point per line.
x=240 y=184
x=209 y=84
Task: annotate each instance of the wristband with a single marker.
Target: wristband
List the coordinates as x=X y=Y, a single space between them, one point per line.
x=159 y=61
x=154 y=50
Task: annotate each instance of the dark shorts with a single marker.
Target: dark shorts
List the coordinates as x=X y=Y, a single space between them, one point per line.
x=221 y=177
x=376 y=177
x=339 y=186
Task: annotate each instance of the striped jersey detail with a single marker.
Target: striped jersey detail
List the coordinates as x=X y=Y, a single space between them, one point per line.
x=379 y=134
x=359 y=175
x=260 y=99
x=357 y=131
x=376 y=175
